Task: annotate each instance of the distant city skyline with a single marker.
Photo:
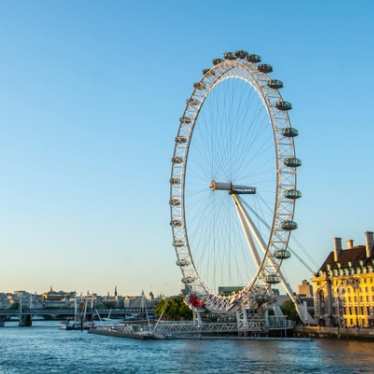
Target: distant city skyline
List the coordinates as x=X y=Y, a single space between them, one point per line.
x=90 y=98
x=53 y=289
x=113 y=292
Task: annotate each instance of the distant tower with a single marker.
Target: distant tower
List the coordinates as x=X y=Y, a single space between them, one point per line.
x=115 y=291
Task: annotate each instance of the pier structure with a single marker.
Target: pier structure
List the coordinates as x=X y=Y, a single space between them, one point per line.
x=197 y=330
x=253 y=327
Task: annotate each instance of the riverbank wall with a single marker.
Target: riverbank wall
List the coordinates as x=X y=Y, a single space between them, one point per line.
x=334 y=332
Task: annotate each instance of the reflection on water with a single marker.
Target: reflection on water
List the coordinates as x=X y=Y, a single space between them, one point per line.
x=350 y=353
x=46 y=349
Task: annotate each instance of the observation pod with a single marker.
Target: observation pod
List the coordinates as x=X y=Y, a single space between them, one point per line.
x=265 y=68
x=292 y=162
x=289 y=132
x=253 y=58
x=289 y=225
x=193 y=102
x=217 y=61
x=208 y=72
x=292 y=194
x=229 y=56
x=283 y=105
x=181 y=139
x=178 y=243
x=175 y=201
x=175 y=181
x=177 y=160
x=275 y=83
x=188 y=280
x=176 y=223
x=199 y=86
x=241 y=54
x=182 y=262
x=282 y=254
x=185 y=120
x=272 y=279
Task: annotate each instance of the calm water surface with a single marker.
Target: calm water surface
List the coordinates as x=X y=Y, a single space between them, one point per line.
x=46 y=349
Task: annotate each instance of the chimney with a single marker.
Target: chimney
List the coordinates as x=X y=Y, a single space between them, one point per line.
x=350 y=244
x=369 y=241
x=337 y=248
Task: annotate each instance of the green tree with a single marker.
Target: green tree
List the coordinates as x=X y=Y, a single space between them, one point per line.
x=173 y=308
x=288 y=308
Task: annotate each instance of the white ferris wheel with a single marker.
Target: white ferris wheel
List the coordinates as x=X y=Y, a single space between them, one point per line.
x=233 y=186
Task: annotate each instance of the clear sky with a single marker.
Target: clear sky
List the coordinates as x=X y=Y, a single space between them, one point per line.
x=90 y=97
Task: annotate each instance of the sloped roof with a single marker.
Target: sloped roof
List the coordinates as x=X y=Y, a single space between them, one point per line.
x=353 y=255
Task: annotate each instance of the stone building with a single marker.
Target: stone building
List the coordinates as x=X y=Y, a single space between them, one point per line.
x=305 y=289
x=344 y=286
x=57 y=299
x=305 y=295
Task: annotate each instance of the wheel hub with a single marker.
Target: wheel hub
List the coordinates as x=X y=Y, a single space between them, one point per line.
x=232 y=188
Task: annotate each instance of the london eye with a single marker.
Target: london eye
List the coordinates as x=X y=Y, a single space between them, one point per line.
x=233 y=186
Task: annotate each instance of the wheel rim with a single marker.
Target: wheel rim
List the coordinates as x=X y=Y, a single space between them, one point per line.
x=248 y=73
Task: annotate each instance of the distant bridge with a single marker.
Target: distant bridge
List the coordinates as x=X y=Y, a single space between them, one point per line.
x=63 y=313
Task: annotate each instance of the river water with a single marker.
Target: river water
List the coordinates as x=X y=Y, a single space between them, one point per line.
x=44 y=348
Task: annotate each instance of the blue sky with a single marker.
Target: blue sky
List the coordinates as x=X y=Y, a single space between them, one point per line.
x=90 y=96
